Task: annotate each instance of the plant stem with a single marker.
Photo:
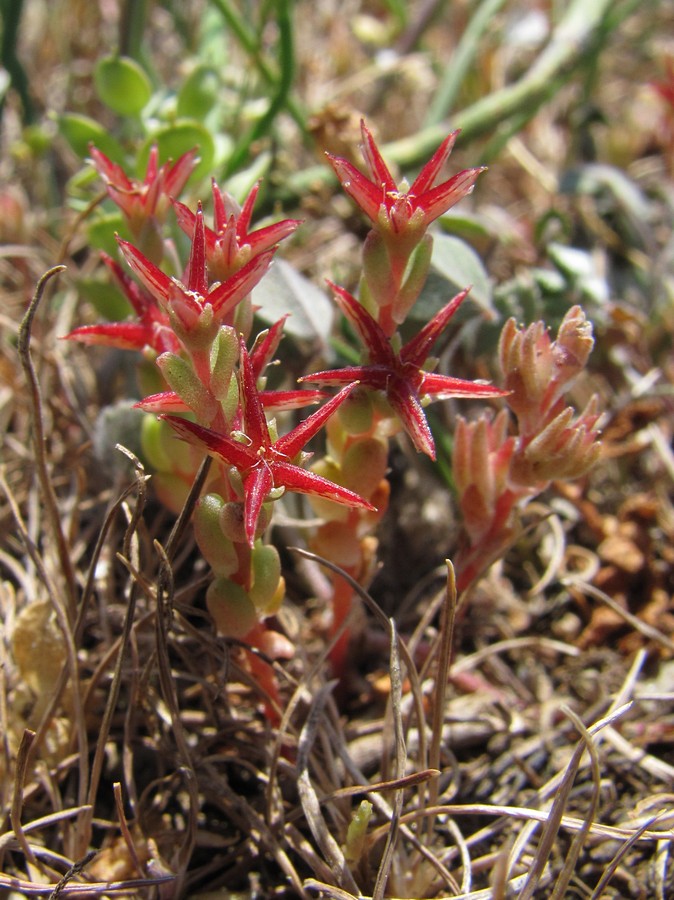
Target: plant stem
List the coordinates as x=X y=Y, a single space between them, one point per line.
x=131 y=28
x=586 y=24
x=250 y=44
x=11 y=15
x=461 y=61
x=279 y=97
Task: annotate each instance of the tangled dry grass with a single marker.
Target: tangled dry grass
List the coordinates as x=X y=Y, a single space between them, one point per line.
x=515 y=742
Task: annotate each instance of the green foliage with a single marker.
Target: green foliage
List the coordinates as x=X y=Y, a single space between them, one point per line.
x=122 y=84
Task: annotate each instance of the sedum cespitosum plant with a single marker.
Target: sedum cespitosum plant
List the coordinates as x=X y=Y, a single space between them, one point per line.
x=204 y=371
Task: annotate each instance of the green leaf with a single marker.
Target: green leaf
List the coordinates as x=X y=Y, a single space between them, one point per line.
x=459 y=264
x=102 y=230
x=80 y=131
x=177 y=138
x=454 y=267
x=106 y=298
x=240 y=184
x=580 y=267
x=283 y=290
x=199 y=93
x=122 y=84
x=464 y=226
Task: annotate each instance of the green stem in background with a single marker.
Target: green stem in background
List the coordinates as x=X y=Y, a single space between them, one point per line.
x=461 y=61
x=11 y=16
x=586 y=25
x=578 y=35
x=131 y=28
x=250 y=44
x=280 y=96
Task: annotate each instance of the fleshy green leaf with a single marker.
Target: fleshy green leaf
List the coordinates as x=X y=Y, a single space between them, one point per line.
x=122 y=84
x=284 y=290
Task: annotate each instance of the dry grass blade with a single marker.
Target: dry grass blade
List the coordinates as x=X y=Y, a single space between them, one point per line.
x=309 y=799
x=395 y=784
x=124 y=828
x=93 y=888
x=72 y=667
x=526 y=813
x=75 y=870
x=610 y=870
x=17 y=800
x=328 y=890
x=441 y=678
x=648 y=631
x=164 y=600
x=380 y=804
x=660 y=864
x=383 y=620
x=580 y=837
x=39 y=440
x=400 y=759
x=115 y=687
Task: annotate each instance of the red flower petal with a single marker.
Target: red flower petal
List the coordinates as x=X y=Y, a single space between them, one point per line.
x=157 y=282
x=256 y=486
x=255 y=422
x=178 y=173
x=443 y=387
x=369 y=330
x=358 y=187
x=302 y=481
x=438 y=200
x=405 y=401
x=232 y=452
x=371 y=376
x=266 y=345
x=417 y=350
x=186 y=222
x=125 y=335
x=274 y=401
x=291 y=444
x=227 y=295
x=429 y=173
x=166 y=402
x=196 y=275
x=379 y=171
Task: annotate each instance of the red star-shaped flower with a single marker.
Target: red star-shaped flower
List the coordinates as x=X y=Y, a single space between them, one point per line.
x=231 y=245
x=399 y=374
x=152 y=329
x=141 y=200
x=188 y=298
x=402 y=210
x=265 y=464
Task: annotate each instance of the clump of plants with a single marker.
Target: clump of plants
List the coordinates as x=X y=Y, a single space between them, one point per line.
x=207 y=695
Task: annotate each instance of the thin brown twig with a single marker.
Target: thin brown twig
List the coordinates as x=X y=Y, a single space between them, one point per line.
x=39 y=440
x=84 y=829
x=22 y=757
